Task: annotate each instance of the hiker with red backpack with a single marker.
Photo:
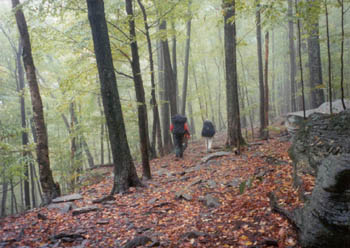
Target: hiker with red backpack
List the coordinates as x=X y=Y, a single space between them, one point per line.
x=180 y=131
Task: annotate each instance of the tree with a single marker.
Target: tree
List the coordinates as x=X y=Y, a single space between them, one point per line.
x=50 y=188
x=140 y=93
x=234 y=135
x=187 y=57
x=292 y=55
x=125 y=174
x=329 y=60
x=341 y=2
x=263 y=127
x=314 y=52
x=156 y=130
x=266 y=86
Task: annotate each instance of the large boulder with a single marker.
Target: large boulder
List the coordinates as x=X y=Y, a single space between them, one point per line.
x=319 y=136
x=324 y=221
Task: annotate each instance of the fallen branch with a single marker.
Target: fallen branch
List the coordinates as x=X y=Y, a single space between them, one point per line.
x=215 y=155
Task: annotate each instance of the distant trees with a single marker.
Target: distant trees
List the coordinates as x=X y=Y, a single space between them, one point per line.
x=125 y=174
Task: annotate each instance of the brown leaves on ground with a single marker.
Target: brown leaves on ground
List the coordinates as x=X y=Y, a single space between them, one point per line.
x=240 y=183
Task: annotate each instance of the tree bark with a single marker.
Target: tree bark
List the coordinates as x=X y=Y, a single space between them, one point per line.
x=342 y=54
x=315 y=65
x=174 y=64
x=292 y=55
x=300 y=62
x=25 y=140
x=125 y=174
x=50 y=188
x=4 y=198
x=165 y=114
x=266 y=87
x=263 y=133
x=140 y=93
x=156 y=130
x=329 y=61
x=170 y=83
x=234 y=135
x=187 y=58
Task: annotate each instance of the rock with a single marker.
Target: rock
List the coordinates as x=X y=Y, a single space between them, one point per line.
x=210 y=201
x=320 y=136
x=215 y=155
x=197 y=181
x=183 y=195
x=234 y=183
x=152 y=201
x=138 y=241
x=211 y=184
x=66 y=198
x=193 y=235
x=83 y=210
x=325 y=219
x=64 y=207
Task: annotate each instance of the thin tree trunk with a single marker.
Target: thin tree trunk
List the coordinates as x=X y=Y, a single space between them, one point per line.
x=329 y=61
x=300 y=61
x=32 y=181
x=187 y=58
x=140 y=94
x=50 y=188
x=273 y=72
x=174 y=64
x=342 y=55
x=125 y=174
x=292 y=55
x=14 y=206
x=156 y=130
x=192 y=124
x=170 y=83
x=263 y=131
x=266 y=88
x=198 y=94
x=4 y=198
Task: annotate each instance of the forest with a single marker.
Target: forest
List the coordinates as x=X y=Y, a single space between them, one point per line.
x=87 y=92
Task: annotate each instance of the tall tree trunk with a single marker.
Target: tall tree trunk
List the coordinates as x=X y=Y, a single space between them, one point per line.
x=14 y=206
x=165 y=114
x=192 y=124
x=73 y=156
x=234 y=135
x=292 y=55
x=342 y=54
x=3 y=198
x=329 y=61
x=300 y=61
x=170 y=83
x=198 y=94
x=273 y=77
x=25 y=140
x=35 y=175
x=315 y=65
x=174 y=64
x=32 y=182
x=187 y=58
x=102 y=133
x=263 y=131
x=140 y=93
x=125 y=174
x=156 y=130
x=266 y=88
x=50 y=188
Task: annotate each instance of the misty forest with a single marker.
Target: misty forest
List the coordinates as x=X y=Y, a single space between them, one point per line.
x=88 y=150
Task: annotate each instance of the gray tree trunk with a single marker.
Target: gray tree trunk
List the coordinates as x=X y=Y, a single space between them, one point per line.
x=234 y=135
x=125 y=174
x=292 y=55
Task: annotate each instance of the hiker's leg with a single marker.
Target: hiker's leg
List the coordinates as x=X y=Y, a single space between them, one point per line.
x=180 y=139
x=176 y=144
x=210 y=142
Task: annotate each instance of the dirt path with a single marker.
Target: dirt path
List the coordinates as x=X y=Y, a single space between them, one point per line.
x=221 y=203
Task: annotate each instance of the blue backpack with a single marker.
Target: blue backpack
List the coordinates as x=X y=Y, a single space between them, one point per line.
x=208 y=129
x=179 y=124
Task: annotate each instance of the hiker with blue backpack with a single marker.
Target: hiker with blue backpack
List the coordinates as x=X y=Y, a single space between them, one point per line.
x=208 y=132
x=181 y=133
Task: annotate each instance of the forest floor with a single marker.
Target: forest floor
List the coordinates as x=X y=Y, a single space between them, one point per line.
x=171 y=208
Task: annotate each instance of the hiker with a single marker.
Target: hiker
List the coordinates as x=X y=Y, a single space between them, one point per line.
x=180 y=130
x=208 y=132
